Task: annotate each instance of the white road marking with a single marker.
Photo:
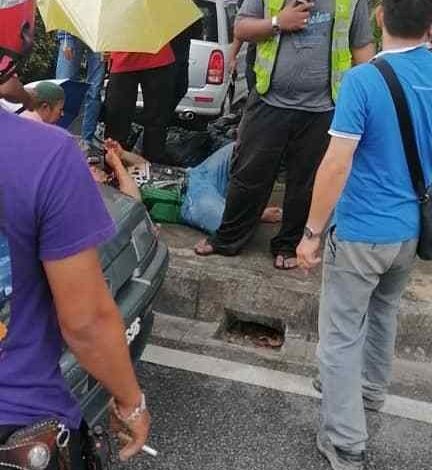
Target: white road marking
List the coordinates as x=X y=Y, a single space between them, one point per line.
x=271 y=379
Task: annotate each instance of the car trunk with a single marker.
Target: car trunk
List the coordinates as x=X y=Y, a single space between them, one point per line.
x=127 y=261
x=131 y=250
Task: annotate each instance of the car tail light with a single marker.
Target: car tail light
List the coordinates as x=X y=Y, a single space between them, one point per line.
x=216 y=68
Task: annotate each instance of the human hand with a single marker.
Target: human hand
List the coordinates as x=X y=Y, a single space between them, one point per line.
x=295 y=18
x=106 y=56
x=133 y=433
x=113 y=146
x=232 y=64
x=308 y=253
x=68 y=53
x=113 y=161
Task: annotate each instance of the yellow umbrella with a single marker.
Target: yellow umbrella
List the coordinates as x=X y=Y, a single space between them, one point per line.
x=120 y=25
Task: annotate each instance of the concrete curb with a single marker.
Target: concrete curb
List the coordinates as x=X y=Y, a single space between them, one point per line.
x=249 y=288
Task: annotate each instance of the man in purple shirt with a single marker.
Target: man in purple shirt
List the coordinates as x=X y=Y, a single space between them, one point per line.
x=51 y=283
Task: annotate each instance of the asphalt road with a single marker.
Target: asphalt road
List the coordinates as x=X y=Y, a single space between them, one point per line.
x=206 y=423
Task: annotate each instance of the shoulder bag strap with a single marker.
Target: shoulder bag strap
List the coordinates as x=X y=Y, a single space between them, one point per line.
x=406 y=126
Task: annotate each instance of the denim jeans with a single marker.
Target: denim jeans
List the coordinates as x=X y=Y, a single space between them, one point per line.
x=207 y=186
x=360 y=299
x=70 y=69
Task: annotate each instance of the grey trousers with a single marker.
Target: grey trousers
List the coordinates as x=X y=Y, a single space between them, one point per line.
x=360 y=300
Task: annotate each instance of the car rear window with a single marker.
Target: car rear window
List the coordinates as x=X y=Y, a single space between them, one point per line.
x=209 y=23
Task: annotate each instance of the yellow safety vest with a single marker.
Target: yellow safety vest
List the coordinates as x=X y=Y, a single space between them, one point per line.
x=341 y=57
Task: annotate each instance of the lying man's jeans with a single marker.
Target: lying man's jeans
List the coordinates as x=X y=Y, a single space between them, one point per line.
x=207 y=186
x=70 y=69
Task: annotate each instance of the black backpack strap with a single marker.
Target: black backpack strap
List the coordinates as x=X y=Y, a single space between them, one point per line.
x=406 y=126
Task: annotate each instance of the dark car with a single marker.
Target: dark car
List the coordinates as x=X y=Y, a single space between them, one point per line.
x=134 y=263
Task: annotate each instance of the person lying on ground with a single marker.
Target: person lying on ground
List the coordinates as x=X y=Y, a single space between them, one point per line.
x=49 y=99
x=194 y=197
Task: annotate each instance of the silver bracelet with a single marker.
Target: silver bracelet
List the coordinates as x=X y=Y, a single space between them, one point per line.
x=136 y=413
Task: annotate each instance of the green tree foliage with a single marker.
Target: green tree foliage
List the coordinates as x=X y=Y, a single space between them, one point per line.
x=377 y=32
x=40 y=64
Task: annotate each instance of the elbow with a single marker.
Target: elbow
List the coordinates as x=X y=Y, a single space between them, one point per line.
x=335 y=170
x=79 y=328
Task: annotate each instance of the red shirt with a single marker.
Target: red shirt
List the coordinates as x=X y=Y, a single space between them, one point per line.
x=136 y=61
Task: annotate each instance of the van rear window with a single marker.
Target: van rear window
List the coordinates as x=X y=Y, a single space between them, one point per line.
x=209 y=22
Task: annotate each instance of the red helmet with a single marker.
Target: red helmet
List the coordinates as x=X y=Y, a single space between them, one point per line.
x=17 y=19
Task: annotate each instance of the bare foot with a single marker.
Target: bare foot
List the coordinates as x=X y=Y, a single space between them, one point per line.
x=272 y=215
x=203 y=248
x=285 y=262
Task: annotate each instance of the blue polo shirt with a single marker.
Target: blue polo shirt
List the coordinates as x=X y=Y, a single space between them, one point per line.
x=379 y=204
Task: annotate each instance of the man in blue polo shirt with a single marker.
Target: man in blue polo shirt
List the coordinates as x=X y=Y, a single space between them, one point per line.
x=372 y=245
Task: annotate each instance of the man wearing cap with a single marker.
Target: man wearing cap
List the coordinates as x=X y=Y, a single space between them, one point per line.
x=49 y=100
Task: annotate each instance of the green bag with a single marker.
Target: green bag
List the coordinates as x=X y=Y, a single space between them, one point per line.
x=163 y=205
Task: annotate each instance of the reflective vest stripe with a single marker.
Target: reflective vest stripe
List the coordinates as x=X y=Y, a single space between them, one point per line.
x=341 y=57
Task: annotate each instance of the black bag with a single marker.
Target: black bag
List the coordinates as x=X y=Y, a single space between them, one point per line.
x=424 y=193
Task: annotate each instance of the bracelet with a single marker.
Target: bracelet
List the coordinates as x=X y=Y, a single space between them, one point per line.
x=136 y=413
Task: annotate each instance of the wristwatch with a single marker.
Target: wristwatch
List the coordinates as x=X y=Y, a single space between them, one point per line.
x=275 y=25
x=309 y=234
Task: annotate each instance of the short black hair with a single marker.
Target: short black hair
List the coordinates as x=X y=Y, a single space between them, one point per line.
x=407 y=19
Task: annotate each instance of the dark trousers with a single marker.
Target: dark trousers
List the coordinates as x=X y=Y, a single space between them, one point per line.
x=77 y=444
x=267 y=136
x=158 y=92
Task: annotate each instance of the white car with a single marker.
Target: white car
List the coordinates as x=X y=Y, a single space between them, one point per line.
x=212 y=89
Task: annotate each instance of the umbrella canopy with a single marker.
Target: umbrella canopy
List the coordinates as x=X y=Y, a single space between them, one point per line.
x=74 y=96
x=126 y=25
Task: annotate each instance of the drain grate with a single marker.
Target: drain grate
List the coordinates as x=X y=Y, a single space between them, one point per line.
x=268 y=334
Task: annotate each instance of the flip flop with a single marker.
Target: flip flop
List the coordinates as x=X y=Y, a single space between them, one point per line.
x=285 y=257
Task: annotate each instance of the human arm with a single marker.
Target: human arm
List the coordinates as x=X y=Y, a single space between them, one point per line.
x=329 y=184
x=252 y=26
x=347 y=130
x=92 y=327
x=127 y=184
x=361 y=38
x=234 y=51
x=73 y=221
x=363 y=54
x=129 y=158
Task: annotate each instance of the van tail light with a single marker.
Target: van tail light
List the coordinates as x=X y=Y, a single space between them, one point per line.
x=216 y=68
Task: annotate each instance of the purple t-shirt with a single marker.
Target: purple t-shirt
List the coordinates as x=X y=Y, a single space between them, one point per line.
x=50 y=209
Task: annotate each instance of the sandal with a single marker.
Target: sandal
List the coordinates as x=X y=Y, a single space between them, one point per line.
x=285 y=262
